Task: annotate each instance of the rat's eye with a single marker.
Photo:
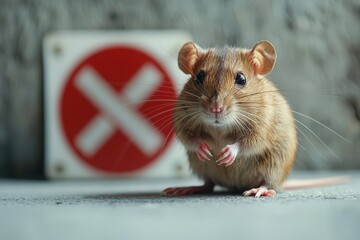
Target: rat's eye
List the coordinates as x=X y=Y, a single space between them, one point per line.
x=240 y=79
x=200 y=77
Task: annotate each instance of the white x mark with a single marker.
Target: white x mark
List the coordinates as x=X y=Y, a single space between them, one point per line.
x=119 y=110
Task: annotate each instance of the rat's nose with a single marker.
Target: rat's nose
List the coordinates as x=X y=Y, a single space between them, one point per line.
x=216 y=107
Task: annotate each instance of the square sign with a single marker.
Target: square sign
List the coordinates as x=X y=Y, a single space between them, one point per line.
x=109 y=100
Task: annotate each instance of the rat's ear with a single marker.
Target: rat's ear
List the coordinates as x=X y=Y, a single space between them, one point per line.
x=188 y=56
x=263 y=57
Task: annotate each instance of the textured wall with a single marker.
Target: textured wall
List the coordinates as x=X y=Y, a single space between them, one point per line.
x=318 y=45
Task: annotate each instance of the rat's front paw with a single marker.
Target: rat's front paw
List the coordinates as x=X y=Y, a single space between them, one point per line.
x=203 y=151
x=228 y=154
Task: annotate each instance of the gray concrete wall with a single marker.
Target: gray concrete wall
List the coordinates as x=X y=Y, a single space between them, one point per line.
x=318 y=45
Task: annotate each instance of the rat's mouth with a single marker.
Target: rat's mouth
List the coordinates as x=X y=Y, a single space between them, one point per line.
x=217 y=118
x=214 y=121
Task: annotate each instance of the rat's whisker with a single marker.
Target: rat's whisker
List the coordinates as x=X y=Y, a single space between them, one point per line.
x=323 y=125
x=309 y=140
x=247 y=117
x=284 y=91
x=265 y=120
x=168 y=122
x=239 y=123
x=192 y=116
x=173 y=128
x=166 y=116
x=158 y=108
x=317 y=137
x=191 y=94
x=256 y=93
x=167 y=87
x=169 y=115
x=311 y=143
x=162 y=100
x=164 y=125
x=258 y=117
x=301 y=146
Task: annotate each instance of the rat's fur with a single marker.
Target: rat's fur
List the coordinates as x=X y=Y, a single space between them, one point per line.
x=256 y=116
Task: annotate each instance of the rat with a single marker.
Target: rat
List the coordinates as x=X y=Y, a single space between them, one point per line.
x=236 y=126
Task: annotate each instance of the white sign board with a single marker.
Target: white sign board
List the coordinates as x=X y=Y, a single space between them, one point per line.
x=108 y=101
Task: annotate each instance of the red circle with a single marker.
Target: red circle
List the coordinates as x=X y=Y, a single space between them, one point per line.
x=117 y=65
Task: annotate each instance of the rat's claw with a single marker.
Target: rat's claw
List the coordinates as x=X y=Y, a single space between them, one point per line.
x=201 y=157
x=203 y=151
x=261 y=191
x=227 y=160
x=228 y=154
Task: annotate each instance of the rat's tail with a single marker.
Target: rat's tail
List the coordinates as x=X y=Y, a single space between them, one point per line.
x=311 y=183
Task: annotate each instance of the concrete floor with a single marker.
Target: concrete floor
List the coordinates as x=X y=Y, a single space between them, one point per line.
x=133 y=209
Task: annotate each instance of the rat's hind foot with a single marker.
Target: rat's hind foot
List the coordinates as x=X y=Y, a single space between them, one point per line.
x=182 y=191
x=261 y=191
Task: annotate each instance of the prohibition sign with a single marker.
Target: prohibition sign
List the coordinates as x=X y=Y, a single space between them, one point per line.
x=116 y=109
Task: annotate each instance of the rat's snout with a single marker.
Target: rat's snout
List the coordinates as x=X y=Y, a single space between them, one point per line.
x=216 y=106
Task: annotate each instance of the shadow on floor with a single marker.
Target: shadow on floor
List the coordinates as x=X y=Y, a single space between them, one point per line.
x=151 y=196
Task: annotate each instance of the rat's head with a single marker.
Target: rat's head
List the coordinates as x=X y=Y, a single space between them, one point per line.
x=222 y=81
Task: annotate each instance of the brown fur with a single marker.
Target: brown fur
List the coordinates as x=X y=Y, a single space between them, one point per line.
x=267 y=136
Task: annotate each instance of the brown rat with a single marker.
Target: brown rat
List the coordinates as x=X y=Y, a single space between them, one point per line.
x=236 y=126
